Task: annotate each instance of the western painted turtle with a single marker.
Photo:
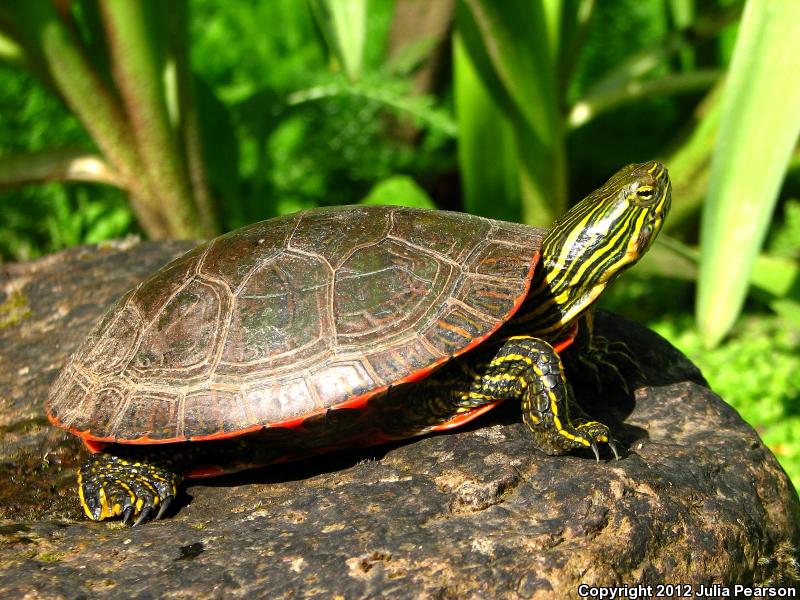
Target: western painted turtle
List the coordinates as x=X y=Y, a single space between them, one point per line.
x=339 y=327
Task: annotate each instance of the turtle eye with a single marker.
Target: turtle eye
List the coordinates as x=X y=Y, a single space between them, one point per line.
x=643 y=196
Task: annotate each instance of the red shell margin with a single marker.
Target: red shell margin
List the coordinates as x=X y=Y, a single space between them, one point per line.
x=96 y=444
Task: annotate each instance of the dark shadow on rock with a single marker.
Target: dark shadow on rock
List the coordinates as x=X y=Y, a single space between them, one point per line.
x=305 y=468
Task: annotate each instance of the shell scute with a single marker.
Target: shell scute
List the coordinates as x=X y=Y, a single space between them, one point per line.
x=214 y=410
x=234 y=257
x=280 y=314
x=152 y=294
x=386 y=288
x=183 y=336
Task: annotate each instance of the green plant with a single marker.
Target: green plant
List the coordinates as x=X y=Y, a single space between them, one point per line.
x=519 y=98
x=758 y=132
x=122 y=69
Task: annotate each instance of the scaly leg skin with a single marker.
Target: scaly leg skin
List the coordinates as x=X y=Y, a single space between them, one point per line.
x=549 y=408
x=112 y=485
x=522 y=368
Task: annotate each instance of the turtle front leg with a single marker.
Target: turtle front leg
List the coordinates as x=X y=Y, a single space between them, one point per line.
x=529 y=368
x=111 y=485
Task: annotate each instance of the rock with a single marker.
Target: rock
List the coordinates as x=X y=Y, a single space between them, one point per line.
x=697 y=498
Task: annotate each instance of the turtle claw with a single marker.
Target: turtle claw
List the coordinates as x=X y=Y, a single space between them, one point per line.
x=595 y=450
x=143 y=516
x=593 y=432
x=613 y=445
x=113 y=486
x=168 y=500
x=127 y=515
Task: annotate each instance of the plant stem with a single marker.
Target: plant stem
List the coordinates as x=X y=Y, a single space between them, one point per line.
x=136 y=70
x=188 y=123
x=63 y=164
x=589 y=107
x=44 y=34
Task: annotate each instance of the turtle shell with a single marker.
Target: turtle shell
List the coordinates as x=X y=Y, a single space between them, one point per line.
x=284 y=319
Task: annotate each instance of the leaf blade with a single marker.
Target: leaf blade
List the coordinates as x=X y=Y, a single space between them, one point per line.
x=759 y=126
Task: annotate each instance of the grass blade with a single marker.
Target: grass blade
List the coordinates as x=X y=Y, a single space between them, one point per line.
x=344 y=25
x=759 y=127
x=508 y=43
x=486 y=152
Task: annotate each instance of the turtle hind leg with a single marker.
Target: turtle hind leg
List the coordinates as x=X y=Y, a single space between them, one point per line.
x=111 y=485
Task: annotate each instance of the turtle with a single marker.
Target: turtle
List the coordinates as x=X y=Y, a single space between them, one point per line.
x=342 y=327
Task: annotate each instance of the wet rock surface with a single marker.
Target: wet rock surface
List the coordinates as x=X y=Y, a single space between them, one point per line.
x=696 y=498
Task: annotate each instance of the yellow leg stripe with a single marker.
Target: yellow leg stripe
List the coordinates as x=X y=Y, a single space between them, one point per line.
x=559 y=426
x=475 y=396
x=105 y=509
x=85 y=506
x=511 y=358
x=127 y=488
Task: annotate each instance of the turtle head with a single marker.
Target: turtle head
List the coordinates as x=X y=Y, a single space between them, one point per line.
x=596 y=240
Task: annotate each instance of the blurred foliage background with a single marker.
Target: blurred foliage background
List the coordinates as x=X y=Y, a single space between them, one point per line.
x=186 y=119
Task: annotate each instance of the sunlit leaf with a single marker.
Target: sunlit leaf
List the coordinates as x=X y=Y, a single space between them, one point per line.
x=486 y=151
x=399 y=190
x=508 y=44
x=344 y=25
x=759 y=127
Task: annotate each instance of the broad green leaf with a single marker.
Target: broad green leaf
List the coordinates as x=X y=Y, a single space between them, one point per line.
x=486 y=149
x=514 y=38
x=553 y=17
x=759 y=127
x=344 y=25
x=399 y=190
x=775 y=279
x=777 y=276
x=508 y=44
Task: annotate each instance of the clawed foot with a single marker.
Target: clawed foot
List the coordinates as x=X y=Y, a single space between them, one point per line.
x=592 y=432
x=554 y=437
x=111 y=486
x=603 y=359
